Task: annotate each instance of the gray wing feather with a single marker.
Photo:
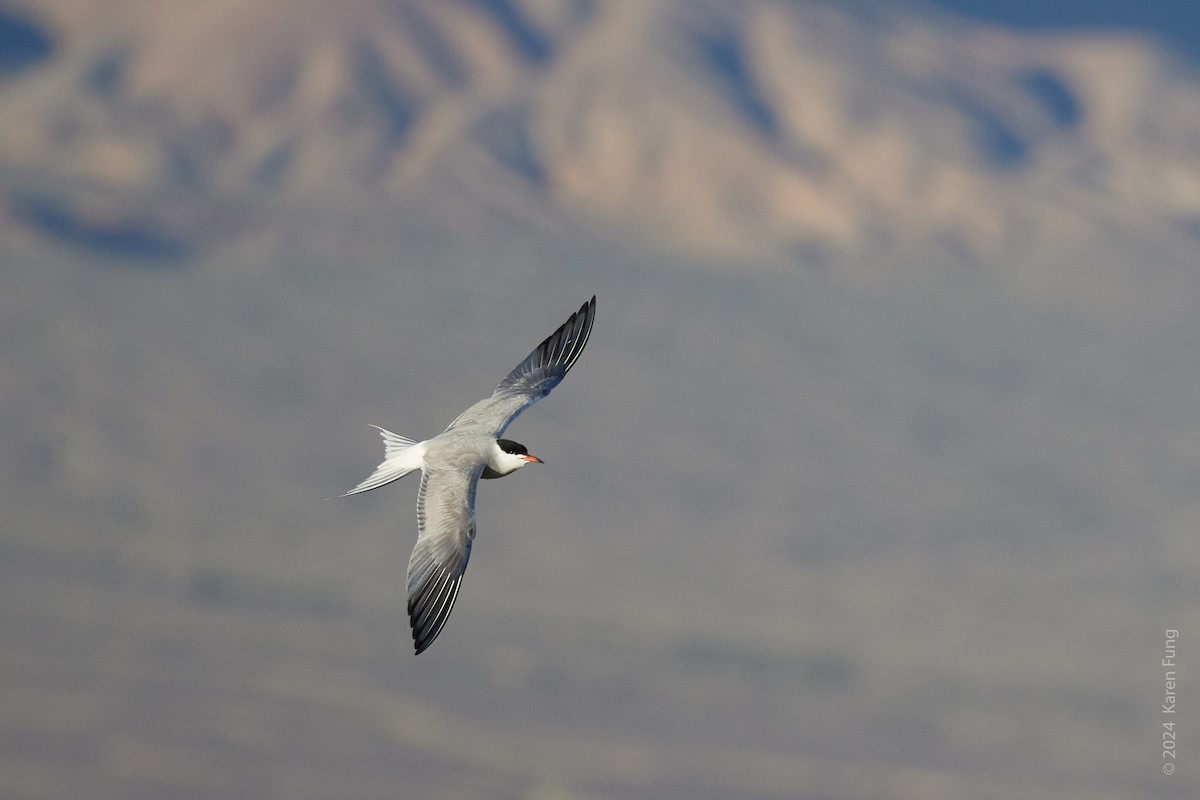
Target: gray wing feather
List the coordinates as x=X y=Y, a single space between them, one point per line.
x=533 y=378
x=446 y=524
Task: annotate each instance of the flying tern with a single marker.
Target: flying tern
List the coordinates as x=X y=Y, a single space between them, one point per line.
x=452 y=463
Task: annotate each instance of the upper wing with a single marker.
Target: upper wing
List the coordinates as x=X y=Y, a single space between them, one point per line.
x=446 y=521
x=534 y=377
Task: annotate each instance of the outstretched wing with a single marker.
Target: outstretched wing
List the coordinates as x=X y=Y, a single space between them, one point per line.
x=534 y=377
x=446 y=524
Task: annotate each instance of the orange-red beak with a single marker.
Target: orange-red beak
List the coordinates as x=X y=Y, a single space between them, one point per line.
x=532 y=459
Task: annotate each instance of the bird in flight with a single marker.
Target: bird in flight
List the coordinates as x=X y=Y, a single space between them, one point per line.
x=452 y=463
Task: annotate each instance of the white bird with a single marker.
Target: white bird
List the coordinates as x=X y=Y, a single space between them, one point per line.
x=452 y=463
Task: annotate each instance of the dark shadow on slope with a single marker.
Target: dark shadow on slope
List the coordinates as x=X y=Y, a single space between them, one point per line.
x=1054 y=95
x=107 y=75
x=381 y=89
x=134 y=239
x=524 y=37
x=23 y=43
x=1176 y=22
x=438 y=53
x=994 y=139
x=1000 y=142
x=274 y=167
x=505 y=135
x=724 y=54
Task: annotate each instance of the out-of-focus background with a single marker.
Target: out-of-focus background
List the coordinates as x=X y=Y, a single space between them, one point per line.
x=878 y=478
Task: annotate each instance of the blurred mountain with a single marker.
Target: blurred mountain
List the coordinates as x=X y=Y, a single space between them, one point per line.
x=877 y=479
x=739 y=128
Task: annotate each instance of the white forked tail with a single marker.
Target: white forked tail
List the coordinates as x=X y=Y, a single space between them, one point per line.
x=401 y=456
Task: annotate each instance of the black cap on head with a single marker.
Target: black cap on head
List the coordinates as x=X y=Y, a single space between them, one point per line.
x=514 y=448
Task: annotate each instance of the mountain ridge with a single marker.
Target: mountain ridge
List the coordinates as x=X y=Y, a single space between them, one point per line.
x=740 y=130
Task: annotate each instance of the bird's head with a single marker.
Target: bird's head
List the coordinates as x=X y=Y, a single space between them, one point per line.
x=508 y=457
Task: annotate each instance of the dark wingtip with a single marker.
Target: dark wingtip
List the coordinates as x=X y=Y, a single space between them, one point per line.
x=423 y=636
x=558 y=352
x=581 y=323
x=429 y=608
